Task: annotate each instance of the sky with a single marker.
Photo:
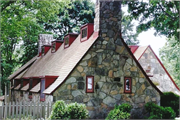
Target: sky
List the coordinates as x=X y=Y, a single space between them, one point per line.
x=148 y=38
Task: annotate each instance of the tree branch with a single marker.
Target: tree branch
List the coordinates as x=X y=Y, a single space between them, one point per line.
x=6 y=5
x=165 y=11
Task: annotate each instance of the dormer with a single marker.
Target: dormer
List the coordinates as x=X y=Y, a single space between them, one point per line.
x=86 y=31
x=55 y=45
x=69 y=38
x=45 y=49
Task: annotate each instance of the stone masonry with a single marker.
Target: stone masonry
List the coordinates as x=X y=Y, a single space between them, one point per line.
x=107 y=60
x=160 y=78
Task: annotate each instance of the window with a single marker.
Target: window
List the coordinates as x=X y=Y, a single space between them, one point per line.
x=89 y=84
x=127 y=85
x=42 y=96
x=84 y=33
x=42 y=50
x=66 y=42
x=53 y=48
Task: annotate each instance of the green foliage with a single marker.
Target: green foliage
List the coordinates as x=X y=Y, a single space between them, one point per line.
x=124 y=107
x=170 y=99
x=162 y=15
x=159 y=112
x=59 y=110
x=170 y=57
x=70 y=111
x=71 y=16
x=77 y=111
x=120 y=112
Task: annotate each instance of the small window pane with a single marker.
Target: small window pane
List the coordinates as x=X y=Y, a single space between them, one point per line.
x=127 y=85
x=66 y=41
x=42 y=49
x=53 y=47
x=89 y=83
x=84 y=33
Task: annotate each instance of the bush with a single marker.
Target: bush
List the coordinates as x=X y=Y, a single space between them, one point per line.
x=159 y=112
x=77 y=111
x=170 y=99
x=70 y=111
x=59 y=110
x=125 y=107
x=120 y=112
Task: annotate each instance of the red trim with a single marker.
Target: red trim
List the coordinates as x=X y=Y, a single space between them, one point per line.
x=133 y=48
x=143 y=53
x=130 y=84
x=57 y=43
x=138 y=64
x=89 y=90
x=164 y=68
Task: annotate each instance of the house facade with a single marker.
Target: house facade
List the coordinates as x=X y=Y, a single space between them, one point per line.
x=95 y=67
x=154 y=69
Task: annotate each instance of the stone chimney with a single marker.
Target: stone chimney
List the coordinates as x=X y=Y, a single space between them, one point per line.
x=108 y=20
x=44 y=39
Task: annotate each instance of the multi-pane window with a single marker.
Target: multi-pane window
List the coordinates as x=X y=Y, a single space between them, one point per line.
x=127 y=85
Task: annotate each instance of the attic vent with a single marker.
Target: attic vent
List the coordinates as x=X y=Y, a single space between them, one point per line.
x=86 y=31
x=117 y=79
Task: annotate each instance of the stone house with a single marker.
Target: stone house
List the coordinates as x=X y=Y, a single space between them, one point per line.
x=95 y=67
x=154 y=69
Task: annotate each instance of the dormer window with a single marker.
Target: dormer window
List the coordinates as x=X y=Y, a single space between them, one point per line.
x=45 y=49
x=55 y=45
x=42 y=50
x=53 y=48
x=69 y=39
x=66 y=42
x=86 y=31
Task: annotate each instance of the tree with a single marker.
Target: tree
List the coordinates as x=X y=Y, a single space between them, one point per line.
x=20 y=23
x=71 y=17
x=161 y=14
x=170 y=57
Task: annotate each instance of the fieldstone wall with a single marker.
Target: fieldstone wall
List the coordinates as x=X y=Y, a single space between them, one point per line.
x=109 y=62
x=160 y=78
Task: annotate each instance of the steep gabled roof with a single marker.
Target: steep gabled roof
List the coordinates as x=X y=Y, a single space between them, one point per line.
x=24 y=67
x=70 y=58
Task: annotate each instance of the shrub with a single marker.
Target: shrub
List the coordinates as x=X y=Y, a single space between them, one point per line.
x=120 y=112
x=125 y=107
x=71 y=111
x=170 y=99
x=159 y=112
x=77 y=111
x=59 y=110
x=117 y=114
